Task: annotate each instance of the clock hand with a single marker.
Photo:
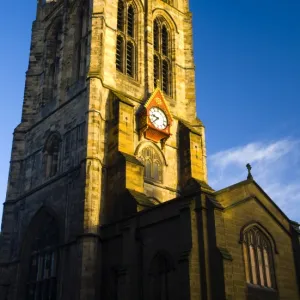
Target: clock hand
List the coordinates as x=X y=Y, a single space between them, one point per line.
x=155 y=117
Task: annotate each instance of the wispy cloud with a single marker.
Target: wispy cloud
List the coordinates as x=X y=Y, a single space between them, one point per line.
x=275 y=167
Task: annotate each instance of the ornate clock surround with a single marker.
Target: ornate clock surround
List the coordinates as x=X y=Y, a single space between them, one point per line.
x=147 y=127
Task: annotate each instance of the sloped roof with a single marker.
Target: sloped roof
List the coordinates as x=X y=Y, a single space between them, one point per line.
x=250 y=196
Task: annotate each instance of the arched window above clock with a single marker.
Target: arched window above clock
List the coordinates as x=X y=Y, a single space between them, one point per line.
x=153 y=163
x=162 y=68
x=126 y=43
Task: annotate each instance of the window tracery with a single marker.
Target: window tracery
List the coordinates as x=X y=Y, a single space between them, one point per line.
x=42 y=279
x=126 y=39
x=162 y=56
x=153 y=168
x=258 y=258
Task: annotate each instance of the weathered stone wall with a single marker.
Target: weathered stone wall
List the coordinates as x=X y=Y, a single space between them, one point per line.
x=137 y=90
x=130 y=246
x=100 y=175
x=79 y=112
x=245 y=204
x=29 y=189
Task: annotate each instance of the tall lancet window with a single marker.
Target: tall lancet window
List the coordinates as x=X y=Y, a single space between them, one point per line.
x=126 y=61
x=51 y=155
x=42 y=275
x=258 y=257
x=162 y=56
x=81 y=44
x=53 y=55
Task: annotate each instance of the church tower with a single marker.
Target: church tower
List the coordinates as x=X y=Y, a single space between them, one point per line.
x=107 y=193
x=108 y=129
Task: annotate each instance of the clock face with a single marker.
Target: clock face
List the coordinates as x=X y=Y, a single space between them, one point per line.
x=158 y=118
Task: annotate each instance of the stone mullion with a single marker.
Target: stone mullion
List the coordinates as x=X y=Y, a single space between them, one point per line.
x=264 y=266
x=125 y=56
x=160 y=59
x=248 y=262
x=258 y=279
x=135 y=59
x=159 y=71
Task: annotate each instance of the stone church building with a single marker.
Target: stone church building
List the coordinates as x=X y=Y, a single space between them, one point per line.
x=107 y=193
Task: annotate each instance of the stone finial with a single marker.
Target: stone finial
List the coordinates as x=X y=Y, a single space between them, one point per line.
x=249 y=177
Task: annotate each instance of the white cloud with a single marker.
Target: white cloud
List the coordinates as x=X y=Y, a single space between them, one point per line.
x=275 y=167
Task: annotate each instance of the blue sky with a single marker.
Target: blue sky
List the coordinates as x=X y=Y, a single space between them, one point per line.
x=248 y=89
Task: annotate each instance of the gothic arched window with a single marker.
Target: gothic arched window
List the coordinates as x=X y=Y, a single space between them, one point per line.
x=42 y=274
x=81 y=44
x=126 y=39
x=160 y=268
x=53 y=53
x=51 y=155
x=258 y=257
x=153 y=169
x=162 y=56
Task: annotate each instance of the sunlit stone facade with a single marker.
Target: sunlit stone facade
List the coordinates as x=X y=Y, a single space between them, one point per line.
x=98 y=209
